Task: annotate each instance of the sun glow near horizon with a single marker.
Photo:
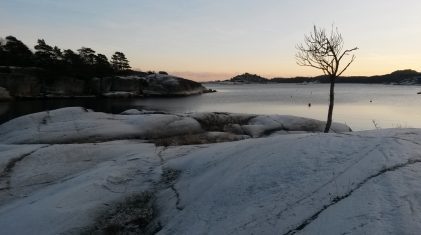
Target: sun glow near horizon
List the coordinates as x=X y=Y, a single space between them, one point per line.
x=211 y=40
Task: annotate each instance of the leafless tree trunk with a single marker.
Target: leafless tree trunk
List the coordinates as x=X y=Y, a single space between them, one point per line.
x=331 y=103
x=325 y=52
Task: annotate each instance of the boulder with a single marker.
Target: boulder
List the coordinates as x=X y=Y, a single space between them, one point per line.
x=79 y=125
x=266 y=124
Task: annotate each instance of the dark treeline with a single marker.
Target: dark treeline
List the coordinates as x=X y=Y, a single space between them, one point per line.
x=83 y=63
x=398 y=77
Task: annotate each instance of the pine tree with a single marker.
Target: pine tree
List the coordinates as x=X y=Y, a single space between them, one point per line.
x=87 y=55
x=44 y=54
x=15 y=53
x=102 y=66
x=120 y=62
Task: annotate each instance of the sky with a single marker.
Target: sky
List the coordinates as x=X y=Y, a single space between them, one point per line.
x=214 y=39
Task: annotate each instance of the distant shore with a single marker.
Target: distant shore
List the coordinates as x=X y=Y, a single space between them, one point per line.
x=400 y=77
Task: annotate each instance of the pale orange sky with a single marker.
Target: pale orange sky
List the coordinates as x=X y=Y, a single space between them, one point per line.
x=208 y=40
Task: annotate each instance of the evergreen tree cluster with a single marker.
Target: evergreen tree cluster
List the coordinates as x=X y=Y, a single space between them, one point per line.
x=85 y=62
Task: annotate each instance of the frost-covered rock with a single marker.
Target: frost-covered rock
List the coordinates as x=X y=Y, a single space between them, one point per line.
x=63 y=188
x=264 y=124
x=217 y=121
x=75 y=125
x=359 y=183
x=308 y=183
x=151 y=85
x=162 y=84
x=79 y=125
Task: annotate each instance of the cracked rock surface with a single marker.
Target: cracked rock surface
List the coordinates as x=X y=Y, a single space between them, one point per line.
x=359 y=183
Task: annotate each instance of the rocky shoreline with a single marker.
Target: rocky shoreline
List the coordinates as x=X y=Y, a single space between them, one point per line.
x=80 y=125
x=35 y=83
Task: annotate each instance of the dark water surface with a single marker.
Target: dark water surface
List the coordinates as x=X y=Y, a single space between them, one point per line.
x=358 y=105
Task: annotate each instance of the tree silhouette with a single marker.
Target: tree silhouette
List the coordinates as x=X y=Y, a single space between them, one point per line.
x=73 y=64
x=84 y=63
x=57 y=54
x=15 y=53
x=102 y=65
x=120 y=62
x=89 y=61
x=324 y=51
x=44 y=54
x=3 y=55
x=87 y=55
x=48 y=57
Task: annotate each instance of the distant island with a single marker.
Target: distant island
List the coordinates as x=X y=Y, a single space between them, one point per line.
x=50 y=72
x=249 y=78
x=400 y=77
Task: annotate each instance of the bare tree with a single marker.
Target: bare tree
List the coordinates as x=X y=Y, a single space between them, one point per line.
x=324 y=51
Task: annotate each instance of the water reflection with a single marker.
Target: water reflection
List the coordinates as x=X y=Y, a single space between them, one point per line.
x=357 y=105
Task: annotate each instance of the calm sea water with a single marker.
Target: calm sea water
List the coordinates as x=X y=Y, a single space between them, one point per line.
x=359 y=106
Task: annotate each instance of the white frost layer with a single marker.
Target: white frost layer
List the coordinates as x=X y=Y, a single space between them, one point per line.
x=259 y=125
x=359 y=183
x=164 y=79
x=263 y=125
x=63 y=188
x=79 y=125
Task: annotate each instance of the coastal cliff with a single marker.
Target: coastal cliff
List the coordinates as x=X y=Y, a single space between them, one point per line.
x=32 y=82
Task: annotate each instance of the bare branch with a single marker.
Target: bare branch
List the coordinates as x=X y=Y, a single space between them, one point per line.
x=350 y=62
x=324 y=51
x=347 y=51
